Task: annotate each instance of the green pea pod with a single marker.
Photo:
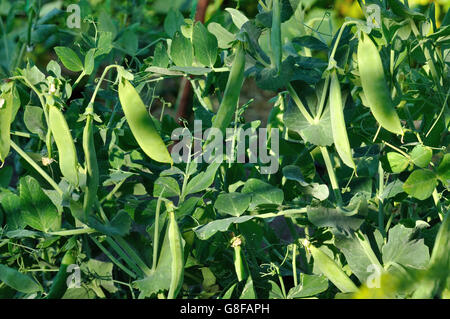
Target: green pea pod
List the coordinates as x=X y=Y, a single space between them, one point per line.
x=374 y=85
x=275 y=34
x=6 y=109
x=92 y=178
x=340 y=136
x=440 y=255
x=59 y=286
x=68 y=161
x=141 y=124
x=232 y=92
x=331 y=270
x=176 y=249
x=240 y=264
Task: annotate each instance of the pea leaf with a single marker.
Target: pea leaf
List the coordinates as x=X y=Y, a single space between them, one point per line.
x=173 y=22
x=443 y=170
x=234 y=204
x=310 y=42
x=18 y=281
x=397 y=162
x=310 y=285
x=11 y=205
x=166 y=187
x=420 y=184
x=318 y=133
x=239 y=19
x=37 y=209
x=160 y=56
x=262 y=193
x=402 y=249
x=421 y=155
x=206 y=231
x=181 y=50
x=89 y=60
x=69 y=59
x=205 y=45
x=34 y=121
x=119 y=226
x=224 y=37
x=203 y=180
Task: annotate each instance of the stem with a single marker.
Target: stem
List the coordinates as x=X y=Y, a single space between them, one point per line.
x=299 y=103
x=124 y=256
x=331 y=174
x=71 y=232
x=294 y=264
x=380 y=200
x=156 y=234
x=37 y=168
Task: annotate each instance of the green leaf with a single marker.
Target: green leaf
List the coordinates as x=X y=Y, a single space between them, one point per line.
x=401 y=249
x=420 y=184
x=334 y=218
x=119 y=226
x=270 y=79
x=443 y=170
x=206 y=231
x=102 y=274
x=69 y=59
x=239 y=19
x=89 y=60
x=310 y=285
x=421 y=155
x=33 y=118
x=392 y=189
x=37 y=209
x=234 y=204
x=181 y=50
x=166 y=187
x=262 y=193
x=160 y=56
x=173 y=22
x=203 y=180
x=318 y=133
x=223 y=36
x=104 y=45
x=11 y=205
x=397 y=162
x=310 y=42
x=18 y=281
x=205 y=45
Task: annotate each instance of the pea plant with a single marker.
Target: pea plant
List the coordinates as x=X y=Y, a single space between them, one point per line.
x=104 y=195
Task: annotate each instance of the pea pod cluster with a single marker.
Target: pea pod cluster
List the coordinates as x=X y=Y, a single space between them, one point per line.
x=6 y=109
x=68 y=161
x=232 y=91
x=374 y=85
x=141 y=124
x=338 y=128
x=176 y=250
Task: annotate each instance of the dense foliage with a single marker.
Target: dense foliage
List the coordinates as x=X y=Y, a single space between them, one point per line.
x=96 y=201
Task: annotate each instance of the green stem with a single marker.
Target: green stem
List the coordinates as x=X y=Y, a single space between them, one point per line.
x=37 y=168
x=299 y=103
x=380 y=200
x=294 y=264
x=71 y=232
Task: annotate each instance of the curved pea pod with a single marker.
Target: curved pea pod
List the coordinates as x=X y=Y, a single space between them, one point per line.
x=232 y=92
x=331 y=270
x=275 y=34
x=59 y=285
x=176 y=249
x=340 y=136
x=374 y=85
x=68 y=161
x=141 y=124
x=6 y=110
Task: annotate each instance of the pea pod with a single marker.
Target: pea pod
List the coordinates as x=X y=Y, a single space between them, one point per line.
x=176 y=250
x=92 y=178
x=240 y=265
x=232 y=91
x=331 y=270
x=59 y=286
x=6 y=109
x=275 y=34
x=68 y=161
x=374 y=85
x=340 y=136
x=141 y=124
